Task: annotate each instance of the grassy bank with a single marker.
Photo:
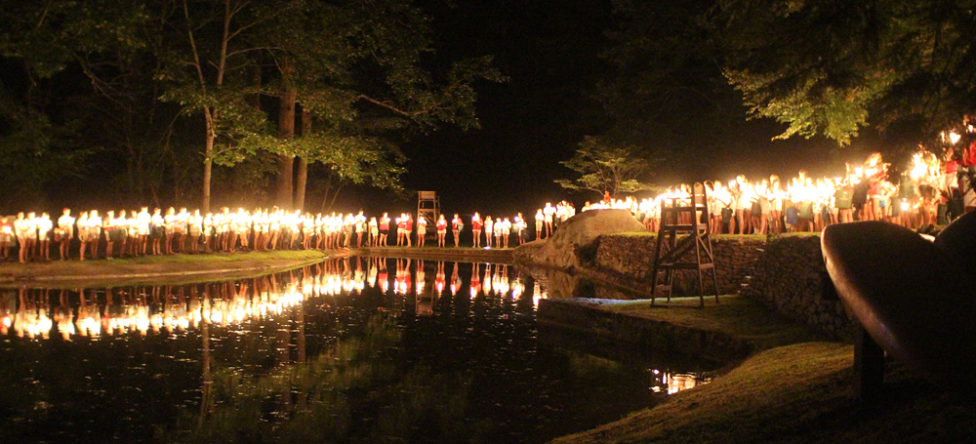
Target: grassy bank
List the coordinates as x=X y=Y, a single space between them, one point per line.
x=794 y=388
x=734 y=315
x=174 y=269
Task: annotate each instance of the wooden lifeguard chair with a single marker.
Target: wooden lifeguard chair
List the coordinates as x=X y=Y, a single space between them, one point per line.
x=428 y=207
x=688 y=216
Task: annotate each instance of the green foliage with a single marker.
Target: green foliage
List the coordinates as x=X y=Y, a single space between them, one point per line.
x=41 y=142
x=358 y=72
x=33 y=152
x=600 y=166
x=834 y=67
x=154 y=81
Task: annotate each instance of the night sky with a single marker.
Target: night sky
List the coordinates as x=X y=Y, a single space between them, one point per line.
x=551 y=52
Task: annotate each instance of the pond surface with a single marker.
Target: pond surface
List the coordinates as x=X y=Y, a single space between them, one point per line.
x=351 y=350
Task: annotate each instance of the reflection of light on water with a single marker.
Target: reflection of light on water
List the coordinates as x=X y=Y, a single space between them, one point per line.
x=671 y=383
x=171 y=310
x=518 y=288
x=33 y=324
x=501 y=283
x=421 y=282
x=89 y=327
x=538 y=294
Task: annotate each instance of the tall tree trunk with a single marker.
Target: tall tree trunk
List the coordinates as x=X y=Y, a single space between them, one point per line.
x=207 y=163
x=301 y=178
x=286 y=130
x=255 y=99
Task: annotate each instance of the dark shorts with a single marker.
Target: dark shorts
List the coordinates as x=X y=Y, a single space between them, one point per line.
x=860 y=196
x=755 y=209
x=792 y=216
x=116 y=235
x=806 y=210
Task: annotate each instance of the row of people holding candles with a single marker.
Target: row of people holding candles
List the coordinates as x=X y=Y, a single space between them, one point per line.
x=142 y=232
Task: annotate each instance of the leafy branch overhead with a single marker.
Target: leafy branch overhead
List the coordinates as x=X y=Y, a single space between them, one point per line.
x=834 y=67
x=354 y=69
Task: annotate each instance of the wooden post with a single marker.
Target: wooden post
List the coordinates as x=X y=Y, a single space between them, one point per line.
x=868 y=367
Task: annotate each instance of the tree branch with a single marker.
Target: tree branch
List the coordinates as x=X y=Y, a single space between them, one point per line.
x=47 y=8
x=193 y=47
x=394 y=108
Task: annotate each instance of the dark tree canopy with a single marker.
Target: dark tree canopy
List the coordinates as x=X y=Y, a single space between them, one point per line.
x=666 y=91
x=170 y=93
x=833 y=67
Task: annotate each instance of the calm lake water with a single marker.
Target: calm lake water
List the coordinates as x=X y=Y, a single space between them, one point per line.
x=349 y=350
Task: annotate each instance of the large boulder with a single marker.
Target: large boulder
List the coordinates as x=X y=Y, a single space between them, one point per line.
x=562 y=249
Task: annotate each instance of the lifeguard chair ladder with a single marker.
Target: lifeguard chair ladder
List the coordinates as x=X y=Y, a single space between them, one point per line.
x=681 y=215
x=428 y=207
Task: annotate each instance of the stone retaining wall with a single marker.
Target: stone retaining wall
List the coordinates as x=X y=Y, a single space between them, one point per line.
x=786 y=272
x=791 y=278
x=633 y=255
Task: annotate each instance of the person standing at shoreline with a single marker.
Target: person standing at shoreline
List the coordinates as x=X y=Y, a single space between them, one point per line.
x=400 y=222
x=64 y=232
x=82 y=234
x=157 y=231
x=456 y=226
x=195 y=230
x=421 y=230
x=360 y=222
x=384 y=223
x=6 y=238
x=94 y=232
x=499 y=227
x=441 y=230
x=518 y=226
x=548 y=212
x=489 y=230
x=44 y=227
x=539 y=220
x=408 y=229
x=113 y=234
x=143 y=230
x=169 y=224
x=22 y=229
x=374 y=232
x=348 y=226
x=476 y=229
